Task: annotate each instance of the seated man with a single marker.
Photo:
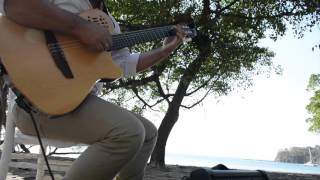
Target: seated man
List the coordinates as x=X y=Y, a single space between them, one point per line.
x=120 y=142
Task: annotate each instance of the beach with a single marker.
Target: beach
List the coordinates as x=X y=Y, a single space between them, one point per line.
x=171 y=172
x=23 y=167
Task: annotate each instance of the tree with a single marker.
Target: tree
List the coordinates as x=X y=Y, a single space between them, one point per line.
x=314 y=106
x=223 y=57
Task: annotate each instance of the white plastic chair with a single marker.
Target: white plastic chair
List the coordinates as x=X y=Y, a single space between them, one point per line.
x=14 y=136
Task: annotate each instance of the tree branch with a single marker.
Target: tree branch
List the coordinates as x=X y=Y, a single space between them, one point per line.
x=198 y=102
x=53 y=152
x=135 y=91
x=199 y=87
x=226 y=7
x=205 y=83
x=287 y=14
x=160 y=90
x=65 y=153
x=132 y=82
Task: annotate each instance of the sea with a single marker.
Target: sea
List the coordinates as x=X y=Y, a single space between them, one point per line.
x=245 y=164
x=232 y=163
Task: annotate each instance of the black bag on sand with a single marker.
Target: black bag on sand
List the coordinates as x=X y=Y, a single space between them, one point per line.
x=221 y=172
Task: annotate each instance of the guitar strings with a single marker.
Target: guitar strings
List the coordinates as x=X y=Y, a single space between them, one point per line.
x=124 y=37
x=127 y=36
x=119 y=38
x=130 y=40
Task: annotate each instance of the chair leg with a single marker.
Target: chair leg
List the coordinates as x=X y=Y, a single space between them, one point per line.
x=41 y=164
x=7 y=147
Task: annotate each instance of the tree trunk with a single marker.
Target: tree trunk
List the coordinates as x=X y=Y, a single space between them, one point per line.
x=170 y=119
x=172 y=115
x=164 y=130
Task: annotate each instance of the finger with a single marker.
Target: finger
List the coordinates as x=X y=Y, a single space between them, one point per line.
x=184 y=34
x=99 y=47
x=178 y=26
x=180 y=32
x=180 y=37
x=108 y=40
x=105 y=45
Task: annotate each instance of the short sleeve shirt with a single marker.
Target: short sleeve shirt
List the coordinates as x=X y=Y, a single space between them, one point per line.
x=1 y=7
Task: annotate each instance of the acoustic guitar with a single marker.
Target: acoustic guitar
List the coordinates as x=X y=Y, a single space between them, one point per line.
x=56 y=72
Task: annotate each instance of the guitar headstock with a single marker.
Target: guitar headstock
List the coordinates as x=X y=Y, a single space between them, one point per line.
x=190 y=30
x=188 y=25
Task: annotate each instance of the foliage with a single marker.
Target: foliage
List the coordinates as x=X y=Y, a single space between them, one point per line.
x=223 y=57
x=314 y=106
x=232 y=30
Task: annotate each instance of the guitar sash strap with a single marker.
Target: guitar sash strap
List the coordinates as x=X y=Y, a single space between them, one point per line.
x=58 y=55
x=56 y=51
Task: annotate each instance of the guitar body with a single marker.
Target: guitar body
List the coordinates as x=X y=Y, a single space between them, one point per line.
x=31 y=68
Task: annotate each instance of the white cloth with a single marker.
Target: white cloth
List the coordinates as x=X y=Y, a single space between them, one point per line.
x=123 y=58
x=74 y=6
x=1 y=7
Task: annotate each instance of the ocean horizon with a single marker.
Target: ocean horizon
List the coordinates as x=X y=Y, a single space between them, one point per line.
x=232 y=163
x=237 y=163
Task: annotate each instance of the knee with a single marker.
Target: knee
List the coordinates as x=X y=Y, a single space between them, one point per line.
x=151 y=133
x=129 y=138
x=135 y=136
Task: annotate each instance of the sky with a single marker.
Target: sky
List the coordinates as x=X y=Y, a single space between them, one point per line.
x=258 y=122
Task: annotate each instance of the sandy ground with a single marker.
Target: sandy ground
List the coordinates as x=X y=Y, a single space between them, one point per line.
x=172 y=172
x=23 y=167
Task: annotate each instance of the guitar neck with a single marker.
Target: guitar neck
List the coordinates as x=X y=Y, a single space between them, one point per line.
x=129 y=39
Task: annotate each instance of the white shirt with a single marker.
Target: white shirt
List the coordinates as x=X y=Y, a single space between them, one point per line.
x=1 y=7
x=123 y=58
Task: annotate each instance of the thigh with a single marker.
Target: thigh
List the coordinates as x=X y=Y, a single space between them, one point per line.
x=150 y=129
x=94 y=120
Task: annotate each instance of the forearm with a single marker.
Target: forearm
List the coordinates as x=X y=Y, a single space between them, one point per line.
x=42 y=15
x=153 y=57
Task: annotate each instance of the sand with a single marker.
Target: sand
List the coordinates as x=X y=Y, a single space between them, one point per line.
x=23 y=167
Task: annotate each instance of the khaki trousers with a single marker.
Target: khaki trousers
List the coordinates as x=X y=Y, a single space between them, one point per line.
x=120 y=142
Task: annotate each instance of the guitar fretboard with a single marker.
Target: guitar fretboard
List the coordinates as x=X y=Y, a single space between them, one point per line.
x=136 y=37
